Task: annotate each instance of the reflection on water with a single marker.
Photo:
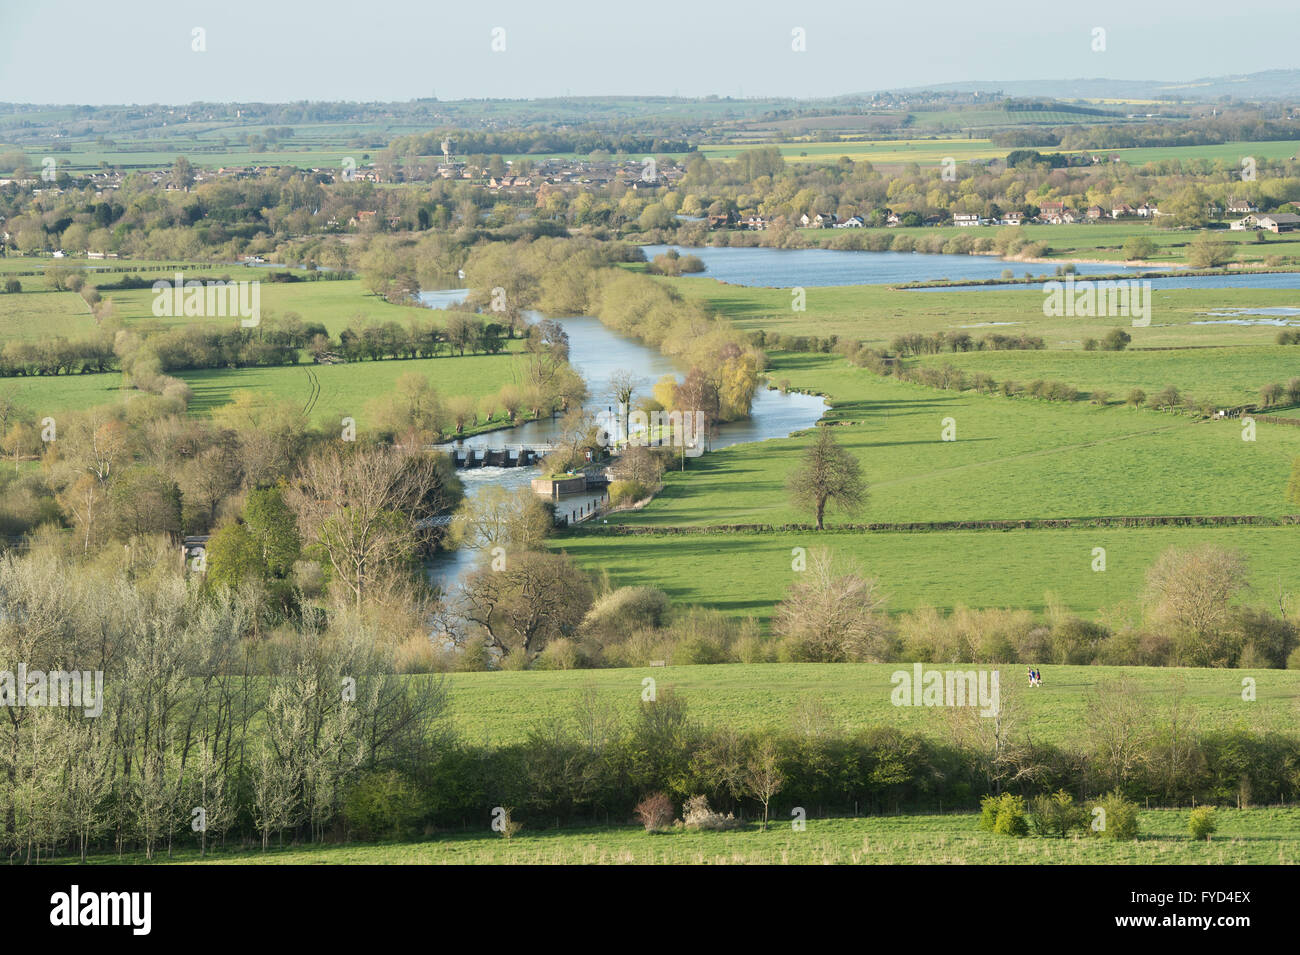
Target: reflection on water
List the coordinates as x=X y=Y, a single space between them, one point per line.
x=809 y=268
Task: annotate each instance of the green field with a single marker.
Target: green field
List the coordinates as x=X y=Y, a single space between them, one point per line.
x=1245 y=837
x=345 y=390
x=1062 y=460
x=876 y=314
x=930 y=152
x=501 y=708
x=1230 y=376
x=747 y=574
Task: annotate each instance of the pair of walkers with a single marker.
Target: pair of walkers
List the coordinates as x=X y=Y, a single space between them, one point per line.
x=1035 y=677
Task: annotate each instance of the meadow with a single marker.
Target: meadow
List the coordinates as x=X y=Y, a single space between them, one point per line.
x=1229 y=375
x=1013 y=458
x=876 y=314
x=745 y=575
x=932 y=151
x=1264 y=836
x=500 y=708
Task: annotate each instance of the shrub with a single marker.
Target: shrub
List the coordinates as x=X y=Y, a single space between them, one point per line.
x=621 y=611
x=1202 y=824
x=1118 y=818
x=696 y=814
x=1005 y=815
x=383 y=804
x=1116 y=340
x=655 y=812
x=1057 y=815
x=626 y=492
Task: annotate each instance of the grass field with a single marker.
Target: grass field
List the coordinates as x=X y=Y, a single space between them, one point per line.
x=930 y=152
x=1268 y=836
x=500 y=708
x=1229 y=376
x=1062 y=460
x=747 y=574
x=345 y=390
x=875 y=314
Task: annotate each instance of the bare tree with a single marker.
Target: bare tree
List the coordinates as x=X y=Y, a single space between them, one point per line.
x=622 y=385
x=833 y=617
x=368 y=509
x=534 y=598
x=827 y=473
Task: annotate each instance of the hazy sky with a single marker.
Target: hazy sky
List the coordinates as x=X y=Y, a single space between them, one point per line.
x=140 y=51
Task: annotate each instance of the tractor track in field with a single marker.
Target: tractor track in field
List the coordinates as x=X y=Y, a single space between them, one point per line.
x=314 y=384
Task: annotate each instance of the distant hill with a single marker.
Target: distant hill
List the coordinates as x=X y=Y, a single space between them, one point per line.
x=1269 y=84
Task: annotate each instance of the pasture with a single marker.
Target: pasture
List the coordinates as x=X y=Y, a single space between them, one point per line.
x=1266 y=836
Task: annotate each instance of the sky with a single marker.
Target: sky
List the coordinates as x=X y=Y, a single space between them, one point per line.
x=144 y=51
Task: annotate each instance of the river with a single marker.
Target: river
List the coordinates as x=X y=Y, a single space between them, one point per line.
x=596 y=353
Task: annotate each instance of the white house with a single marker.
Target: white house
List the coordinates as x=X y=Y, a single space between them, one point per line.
x=966 y=219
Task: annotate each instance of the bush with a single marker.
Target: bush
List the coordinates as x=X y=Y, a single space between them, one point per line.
x=1202 y=824
x=696 y=814
x=1005 y=815
x=383 y=805
x=626 y=609
x=1118 y=818
x=655 y=812
x=626 y=492
x=1057 y=815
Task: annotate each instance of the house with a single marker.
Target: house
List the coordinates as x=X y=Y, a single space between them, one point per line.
x=1146 y=212
x=967 y=219
x=824 y=220
x=1122 y=210
x=1242 y=207
x=893 y=219
x=1012 y=218
x=852 y=222
x=1048 y=209
x=1070 y=215
x=720 y=220
x=754 y=223
x=1095 y=212
x=1277 y=221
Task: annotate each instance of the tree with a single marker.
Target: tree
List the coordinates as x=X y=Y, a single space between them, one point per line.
x=144 y=501
x=622 y=385
x=1191 y=592
x=533 y=599
x=763 y=778
x=832 y=617
x=367 y=509
x=1207 y=252
x=498 y=517
x=1140 y=247
x=828 y=473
